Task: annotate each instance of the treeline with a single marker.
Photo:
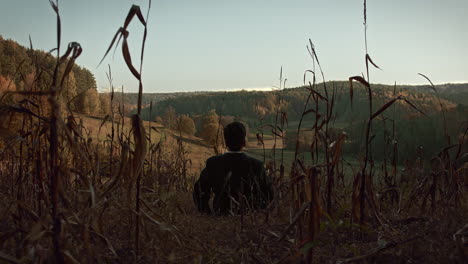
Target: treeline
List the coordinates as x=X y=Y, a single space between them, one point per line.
x=455 y=92
x=26 y=69
x=132 y=98
x=238 y=104
x=208 y=126
x=404 y=127
x=253 y=106
x=417 y=136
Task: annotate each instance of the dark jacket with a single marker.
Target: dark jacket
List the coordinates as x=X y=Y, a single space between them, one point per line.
x=238 y=182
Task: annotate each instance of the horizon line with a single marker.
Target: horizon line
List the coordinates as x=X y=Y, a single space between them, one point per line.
x=272 y=88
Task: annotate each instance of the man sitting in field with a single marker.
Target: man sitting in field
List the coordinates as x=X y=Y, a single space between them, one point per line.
x=239 y=182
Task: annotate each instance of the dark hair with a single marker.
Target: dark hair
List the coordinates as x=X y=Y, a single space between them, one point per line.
x=234 y=136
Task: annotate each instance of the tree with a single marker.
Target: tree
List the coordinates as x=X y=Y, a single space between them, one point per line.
x=211 y=130
x=87 y=98
x=87 y=102
x=7 y=84
x=185 y=125
x=29 y=81
x=82 y=102
x=226 y=120
x=68 y=93
x=158 y=120
x=170 y=118
x=93 y=101
x=104 y=101
x=265 y=106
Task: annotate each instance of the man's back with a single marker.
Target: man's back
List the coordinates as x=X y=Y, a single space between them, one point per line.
x=237 y=180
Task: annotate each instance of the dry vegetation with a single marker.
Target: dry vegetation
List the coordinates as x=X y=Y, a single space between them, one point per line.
x=114 y=189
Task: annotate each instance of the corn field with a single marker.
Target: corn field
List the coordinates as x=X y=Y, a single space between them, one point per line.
x=122 y=193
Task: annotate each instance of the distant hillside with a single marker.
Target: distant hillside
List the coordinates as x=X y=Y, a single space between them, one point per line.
x=411 y=128
x=251 y=105
x=455 y=92
x=132 y=98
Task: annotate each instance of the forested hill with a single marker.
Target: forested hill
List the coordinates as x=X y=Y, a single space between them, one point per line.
x=410 y=126
x=132 y=98
x=456 y=92
x=252 y=105
x=23 y=69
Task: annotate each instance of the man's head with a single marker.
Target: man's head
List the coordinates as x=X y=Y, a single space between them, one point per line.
x=234 y=136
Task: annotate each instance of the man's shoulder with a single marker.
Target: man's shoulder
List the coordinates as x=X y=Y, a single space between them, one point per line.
x=228 y=156
x=254 y=161
x=214 y=159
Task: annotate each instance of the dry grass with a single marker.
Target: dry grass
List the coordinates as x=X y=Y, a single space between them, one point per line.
x=80 y=189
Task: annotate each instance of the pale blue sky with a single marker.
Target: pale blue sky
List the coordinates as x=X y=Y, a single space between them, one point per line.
x=224 y=45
